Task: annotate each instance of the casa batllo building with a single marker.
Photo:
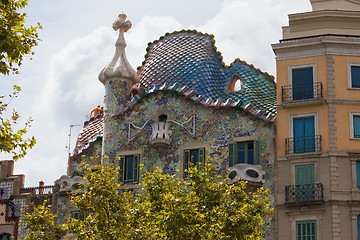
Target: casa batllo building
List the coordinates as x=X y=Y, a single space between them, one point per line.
x=183 y=105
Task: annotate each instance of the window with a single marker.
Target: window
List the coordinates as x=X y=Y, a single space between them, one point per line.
x=244 y=152
x=302 y=79
x=358 y=174
x=129 y=169
x=302 y=82
x=354 y=75
x=235 y=85
x=5 y=236
x=355 y=125
x=306 y=230
x=304 y=134
x=358 y=227
x=193 y=156
x=79 y=215
x=305 y=182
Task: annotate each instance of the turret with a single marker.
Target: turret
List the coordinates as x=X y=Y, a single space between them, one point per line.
x=118 y=77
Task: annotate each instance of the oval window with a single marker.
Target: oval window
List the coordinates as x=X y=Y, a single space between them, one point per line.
x=252 y=173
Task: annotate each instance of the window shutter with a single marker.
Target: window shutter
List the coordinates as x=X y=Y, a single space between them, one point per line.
x=257 y=152
x=358 y=175
x=122 y=167
x=202 y=155
x=304 y=174
x=355 y=76
x=136 y=168
x=186 y=162
x=356 y=123
x=358 y=227
x=231 y=154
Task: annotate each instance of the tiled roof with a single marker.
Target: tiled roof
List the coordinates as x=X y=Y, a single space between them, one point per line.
x=91 y=131
x=190 y=59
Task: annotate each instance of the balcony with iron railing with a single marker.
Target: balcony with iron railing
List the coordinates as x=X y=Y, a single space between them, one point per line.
x=37 y=190
x=291 y=93
x=303 y=144
x=304 y=194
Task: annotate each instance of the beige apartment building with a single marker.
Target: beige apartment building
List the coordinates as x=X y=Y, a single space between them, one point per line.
x=318 y=123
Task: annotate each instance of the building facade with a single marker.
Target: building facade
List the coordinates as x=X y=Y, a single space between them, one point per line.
x=317 y=140
x=182 y=106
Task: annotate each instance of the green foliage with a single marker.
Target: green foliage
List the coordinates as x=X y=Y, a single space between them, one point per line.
x=42 y=226
x=204 y=206
x=16 y=40
x=13 y=141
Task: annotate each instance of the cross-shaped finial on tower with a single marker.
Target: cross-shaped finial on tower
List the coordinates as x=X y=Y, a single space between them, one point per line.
x=119 y=66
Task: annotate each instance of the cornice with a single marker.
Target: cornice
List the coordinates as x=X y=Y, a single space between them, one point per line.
x=317 y=46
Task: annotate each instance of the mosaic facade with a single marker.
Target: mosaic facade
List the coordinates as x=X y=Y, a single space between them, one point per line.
x=182 y=99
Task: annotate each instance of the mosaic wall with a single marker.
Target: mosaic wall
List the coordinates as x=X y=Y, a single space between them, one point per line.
x=214 y=127
x=20 y=207
x=90 y=156
x=7 y=186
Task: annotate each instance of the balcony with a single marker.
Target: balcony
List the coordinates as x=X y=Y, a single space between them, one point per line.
x=160 y=137
x=303 y=144
x=291 y=94
x=304 y=194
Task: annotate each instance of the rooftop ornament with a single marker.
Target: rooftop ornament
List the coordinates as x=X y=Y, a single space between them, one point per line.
x=119 y=67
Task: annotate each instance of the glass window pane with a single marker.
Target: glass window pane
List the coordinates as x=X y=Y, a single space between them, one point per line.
x=355 y=76
x=129 y=166
x=241 y=153
x=356 y=123
x=194 y=156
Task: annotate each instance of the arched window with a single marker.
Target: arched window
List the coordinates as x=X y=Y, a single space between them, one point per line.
x=238 y=85
x=235 y=85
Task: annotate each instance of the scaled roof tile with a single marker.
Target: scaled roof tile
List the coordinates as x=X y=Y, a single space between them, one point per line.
x=190 y=59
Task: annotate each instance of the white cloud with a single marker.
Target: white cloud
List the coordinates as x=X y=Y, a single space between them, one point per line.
x=246 y=29
x=150 y=28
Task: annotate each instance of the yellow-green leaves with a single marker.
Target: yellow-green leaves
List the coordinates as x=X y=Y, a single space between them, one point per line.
x=203 y=206
x=13 y=141
x=16 y=40
x=42 y=226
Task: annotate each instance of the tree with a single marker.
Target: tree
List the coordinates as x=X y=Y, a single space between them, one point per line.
x=43 y=226
x=204 y=206
x=13 y=141
x=16 y=40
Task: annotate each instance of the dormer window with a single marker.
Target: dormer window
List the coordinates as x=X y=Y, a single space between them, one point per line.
x=235 y=85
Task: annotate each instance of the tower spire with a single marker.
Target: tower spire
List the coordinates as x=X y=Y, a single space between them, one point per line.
x=119 y=67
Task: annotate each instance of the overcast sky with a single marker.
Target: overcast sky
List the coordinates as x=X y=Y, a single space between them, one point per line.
x=61 y=86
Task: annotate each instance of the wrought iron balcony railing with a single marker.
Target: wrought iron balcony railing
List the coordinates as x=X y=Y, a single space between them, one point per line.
x=37 y=190
x=303 y=144
x=304 y=193
x=295 y=93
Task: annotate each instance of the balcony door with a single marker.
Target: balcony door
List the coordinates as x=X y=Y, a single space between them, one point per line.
x=303 y=82
x=304 y=134
x=305 y=182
